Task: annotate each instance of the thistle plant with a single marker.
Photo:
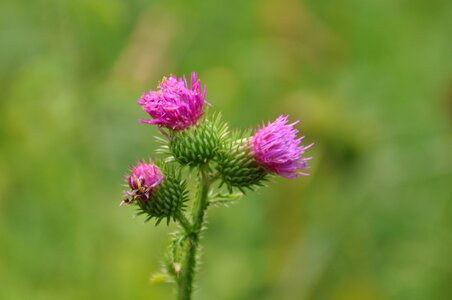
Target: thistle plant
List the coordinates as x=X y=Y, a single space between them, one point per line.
x=226 y=164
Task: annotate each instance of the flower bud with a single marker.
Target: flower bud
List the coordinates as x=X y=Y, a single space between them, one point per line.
x=273 y=149
x=159 y=194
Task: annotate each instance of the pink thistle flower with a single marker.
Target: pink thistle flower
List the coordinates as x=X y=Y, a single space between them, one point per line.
x=277 y=148
x=143 y=181
x=175 y=105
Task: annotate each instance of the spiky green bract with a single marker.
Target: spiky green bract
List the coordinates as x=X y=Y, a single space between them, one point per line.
x=168 y=200
x=237 y=165
x=200 y=144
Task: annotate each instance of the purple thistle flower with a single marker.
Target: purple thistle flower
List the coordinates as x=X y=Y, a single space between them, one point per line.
x=175 y=105
x=277 y=148
x=143 y=181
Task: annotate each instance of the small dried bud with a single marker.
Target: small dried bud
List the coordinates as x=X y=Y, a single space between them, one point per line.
x=177 y=268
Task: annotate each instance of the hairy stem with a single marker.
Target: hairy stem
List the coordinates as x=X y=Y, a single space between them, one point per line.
x=193 y=236
x=184 y=222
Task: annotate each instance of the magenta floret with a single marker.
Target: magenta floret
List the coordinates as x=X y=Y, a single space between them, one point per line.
x=143 y=181
x=175 y=105
x=144 y=175
x=277 y=148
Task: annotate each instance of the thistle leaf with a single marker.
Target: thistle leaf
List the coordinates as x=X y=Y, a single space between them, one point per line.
x=224 y=199
x=160 y=278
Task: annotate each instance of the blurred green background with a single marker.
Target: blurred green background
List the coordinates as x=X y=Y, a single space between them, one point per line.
x=371 y=81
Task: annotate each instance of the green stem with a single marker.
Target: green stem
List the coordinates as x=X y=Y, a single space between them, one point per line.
x=189 y=269
x=184 y=222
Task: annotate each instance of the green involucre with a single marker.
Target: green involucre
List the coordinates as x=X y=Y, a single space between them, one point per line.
x=198 y=145
x=237 y=166
x=168 y=200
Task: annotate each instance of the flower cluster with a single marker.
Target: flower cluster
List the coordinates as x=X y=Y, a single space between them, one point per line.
x=197 y=140
x=241 y=161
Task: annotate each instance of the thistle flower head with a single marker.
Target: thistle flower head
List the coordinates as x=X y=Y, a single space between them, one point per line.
x=175 y=105
x=277 y=148
x=160 y=191
x=143 y=181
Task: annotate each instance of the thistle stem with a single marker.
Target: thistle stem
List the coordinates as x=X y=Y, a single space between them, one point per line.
x=193 y=236
x=184 y=222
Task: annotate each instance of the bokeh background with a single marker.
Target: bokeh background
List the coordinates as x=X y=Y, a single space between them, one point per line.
x=371 y=81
